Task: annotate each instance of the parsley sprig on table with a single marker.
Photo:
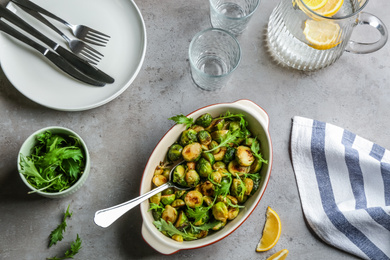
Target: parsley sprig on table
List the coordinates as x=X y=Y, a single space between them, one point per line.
x=55 y=163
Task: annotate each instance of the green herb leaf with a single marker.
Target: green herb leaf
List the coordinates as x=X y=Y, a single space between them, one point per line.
x=204 y=227
x=224 y=188
x=171 y=230
x=70 y=253
x=256 y=152
x=57 y=234
x=227 y=139
x=154 y=206
x=241 y=117
x=182 y=119
x=198 y=213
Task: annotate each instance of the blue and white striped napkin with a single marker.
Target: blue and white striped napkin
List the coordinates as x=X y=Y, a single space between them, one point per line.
x=344 y=186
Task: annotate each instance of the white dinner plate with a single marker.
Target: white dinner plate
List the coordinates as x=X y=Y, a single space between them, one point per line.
x=39 y=80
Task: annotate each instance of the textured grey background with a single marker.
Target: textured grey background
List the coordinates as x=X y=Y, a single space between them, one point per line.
x=353 y=93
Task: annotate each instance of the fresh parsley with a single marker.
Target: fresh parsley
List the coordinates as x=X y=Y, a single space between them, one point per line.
x=182 y=119
x=55 y=164
x=75 y=247
x=57 y=234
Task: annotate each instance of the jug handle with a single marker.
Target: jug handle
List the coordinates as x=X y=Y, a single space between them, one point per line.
x=361 y=48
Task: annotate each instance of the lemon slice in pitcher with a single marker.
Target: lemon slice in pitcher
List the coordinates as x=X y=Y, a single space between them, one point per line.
x=322 y=35
x=315 y=4
x=330 y=8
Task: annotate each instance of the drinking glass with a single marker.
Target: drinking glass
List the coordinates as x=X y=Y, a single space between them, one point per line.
x=289 y=43
x=214 y=54
x=232 y=15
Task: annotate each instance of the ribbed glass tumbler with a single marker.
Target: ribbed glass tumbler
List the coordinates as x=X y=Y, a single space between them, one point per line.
x=214 y=54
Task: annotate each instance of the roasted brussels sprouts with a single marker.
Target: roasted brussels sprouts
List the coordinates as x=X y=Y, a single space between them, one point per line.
x=192 y=152
x=220 y=211
x=188 y=136
x=204 y=120
x=220 y=169
x=244 y=156
x=174 y=152
x=192 y=178
x=193 y=199
x=204 y=137
x=204 y=168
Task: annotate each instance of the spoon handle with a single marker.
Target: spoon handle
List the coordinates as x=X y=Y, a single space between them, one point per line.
x=105 y=217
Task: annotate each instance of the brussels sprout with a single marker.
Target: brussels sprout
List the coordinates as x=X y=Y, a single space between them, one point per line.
x=248 y=186
x=234 y=167
x=169 y=214
x=174 y=152
x=249 y=141
x=191 y=165
x=207 y=188
x=204 y=137
x=197 y=128
x=234 y=126
x=179 y=193
x=219 y=135
x=219 y=165
x=182 y=220
x=192 y=178
x=194 y=199
x=167 y=199
x=212 y=145
x=237 y=189
x=219 y=226
x=166 y=173
x=188 y=136
x=155 y=198
x=229 y=155
x=209 y=157
x=216 y=176
x=219 y=156
x=244 y=156
x=208 y=200
x=178 y=238
x=204 y=168
x=192 y=152
x=159 y=169
x=204 y=120
x=201 y=234
x=232 y=212
x=256 y=166
x=168 y=191
x=232 y=199
x=159 y=180
x=216 y=124
x=178 y=203
x=220 y=211
x=179 y=174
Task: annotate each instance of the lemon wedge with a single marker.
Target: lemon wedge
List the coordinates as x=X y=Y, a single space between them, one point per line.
x=330 y=8
x=281 y=255
x=322 y=35
x=271 y=231
x=315 y=4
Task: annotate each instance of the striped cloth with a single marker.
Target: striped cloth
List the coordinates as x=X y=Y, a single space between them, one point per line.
x=344 y=186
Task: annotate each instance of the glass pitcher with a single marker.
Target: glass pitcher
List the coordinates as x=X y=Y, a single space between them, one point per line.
x=303 y=39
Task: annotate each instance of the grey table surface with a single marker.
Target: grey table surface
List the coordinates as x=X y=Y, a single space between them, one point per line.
x=352 y=93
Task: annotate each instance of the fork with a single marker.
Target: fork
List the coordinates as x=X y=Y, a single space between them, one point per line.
x=82 y=32
x=76 y=46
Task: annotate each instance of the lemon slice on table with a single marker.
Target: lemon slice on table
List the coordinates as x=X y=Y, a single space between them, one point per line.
x=281 y=255
x=322 y=35
x=315 y=4
x=330 y=8
x=271 y=231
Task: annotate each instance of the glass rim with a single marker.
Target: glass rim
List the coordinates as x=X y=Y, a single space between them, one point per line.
x=234 y=18
x=197 y=37
x=334 y=18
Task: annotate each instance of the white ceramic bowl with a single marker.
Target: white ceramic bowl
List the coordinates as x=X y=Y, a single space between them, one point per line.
x=258 y=124
x=26 y=151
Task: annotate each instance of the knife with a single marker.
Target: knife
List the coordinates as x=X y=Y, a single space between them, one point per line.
x=53 y=57
x=76 y=61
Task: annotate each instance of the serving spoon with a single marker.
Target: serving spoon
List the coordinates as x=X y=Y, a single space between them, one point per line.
x=105 y=217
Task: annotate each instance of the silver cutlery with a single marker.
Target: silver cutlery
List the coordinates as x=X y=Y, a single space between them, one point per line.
x=72 y=58
x=76 y=46
x=53 y=57
x=82 y=32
